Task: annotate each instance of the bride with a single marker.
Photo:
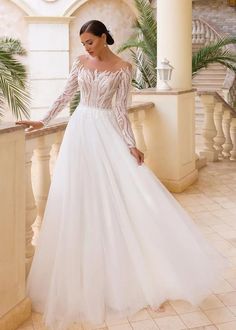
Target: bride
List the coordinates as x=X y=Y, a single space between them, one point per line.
x=113 y=239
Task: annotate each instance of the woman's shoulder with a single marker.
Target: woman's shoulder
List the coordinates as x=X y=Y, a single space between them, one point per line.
x=82 y=58
x=125 y=64
x=79 y=59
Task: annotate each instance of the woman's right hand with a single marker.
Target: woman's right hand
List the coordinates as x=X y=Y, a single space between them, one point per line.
x=31 y=125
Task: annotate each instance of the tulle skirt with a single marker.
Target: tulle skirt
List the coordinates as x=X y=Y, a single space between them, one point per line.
x=113 y=239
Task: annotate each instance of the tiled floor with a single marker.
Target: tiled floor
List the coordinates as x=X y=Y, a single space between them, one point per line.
x=212 y=203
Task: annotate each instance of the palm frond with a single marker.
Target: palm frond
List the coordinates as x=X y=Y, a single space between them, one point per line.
x=143 y=46
x=75 y=101
x=13 y=78
x=2 y=101
x=16 y=69
x=147 y=22
x=148 y=77
x=17 y=98
x=12 y=46
x=215 y=53
x=131 y=43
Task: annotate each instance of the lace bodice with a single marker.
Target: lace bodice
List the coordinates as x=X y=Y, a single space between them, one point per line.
x=97 y=89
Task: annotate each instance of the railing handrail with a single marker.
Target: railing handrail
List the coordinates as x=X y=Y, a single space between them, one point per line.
x=219 y=98
x=230 y=76
x=59 y=124
x=216 y=32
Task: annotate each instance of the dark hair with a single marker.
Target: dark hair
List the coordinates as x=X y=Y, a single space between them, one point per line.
x=97 y=28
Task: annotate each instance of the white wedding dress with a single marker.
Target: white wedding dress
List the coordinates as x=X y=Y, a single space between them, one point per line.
x=113 y=239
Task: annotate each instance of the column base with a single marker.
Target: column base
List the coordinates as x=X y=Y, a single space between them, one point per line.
x=177 y=186
x=201 y=162
x=16 y=316
x=211 y=156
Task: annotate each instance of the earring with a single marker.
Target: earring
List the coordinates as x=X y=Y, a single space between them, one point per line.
x=105 y=45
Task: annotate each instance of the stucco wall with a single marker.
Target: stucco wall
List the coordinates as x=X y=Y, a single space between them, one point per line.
x=116 y=15
x=12 y=21
x=217 y=12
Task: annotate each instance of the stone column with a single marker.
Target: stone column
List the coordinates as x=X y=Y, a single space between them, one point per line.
x=48 y=61
x=174 y=39
x=171 y=136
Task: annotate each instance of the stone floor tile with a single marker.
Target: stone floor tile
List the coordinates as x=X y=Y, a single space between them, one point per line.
x=181 y=306
x=226 y=326
x=220 y=315
x=195 y=319
x=27 y=325
x=229 y=298
x=211 y=302
x=144 y=325
x=120 y=327
x=170 y=323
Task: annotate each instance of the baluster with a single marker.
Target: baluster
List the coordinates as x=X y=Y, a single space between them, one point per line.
x=209 y=129
x=207 y=35
x=212 y=36
x=233 y=138
x=202 y=32
x=227 y=146
x=198 y=36
x=41 y=180
x=219 y=138
x=137 y=119
x=31 y=210
x=194 y=37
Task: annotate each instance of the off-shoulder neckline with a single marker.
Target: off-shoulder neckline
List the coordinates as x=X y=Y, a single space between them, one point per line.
x=121 y=69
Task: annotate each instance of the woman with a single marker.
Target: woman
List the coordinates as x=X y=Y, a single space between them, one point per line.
x=113 y=239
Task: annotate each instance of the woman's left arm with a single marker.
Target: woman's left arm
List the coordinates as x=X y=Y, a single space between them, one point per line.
x=121 y=113
x=121 y=106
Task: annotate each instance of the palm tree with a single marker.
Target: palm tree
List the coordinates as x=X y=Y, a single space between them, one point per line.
x=143 y=46
x=143 y=49
x=13 y=78
x=75 y=101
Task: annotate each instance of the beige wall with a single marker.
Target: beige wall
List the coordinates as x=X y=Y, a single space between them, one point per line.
x=116 y=15
x=218 y=13
x=12 y=22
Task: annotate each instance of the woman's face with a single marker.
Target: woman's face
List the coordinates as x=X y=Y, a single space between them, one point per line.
x=93 y=44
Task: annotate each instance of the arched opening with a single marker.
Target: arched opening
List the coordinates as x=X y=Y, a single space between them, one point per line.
x=78 y=3
x=22 y=5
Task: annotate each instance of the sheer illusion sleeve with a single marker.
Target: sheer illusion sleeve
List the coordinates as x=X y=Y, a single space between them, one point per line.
x=69 y=90
x=121 y=107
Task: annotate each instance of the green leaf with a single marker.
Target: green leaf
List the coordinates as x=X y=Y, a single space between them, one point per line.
x=215 y=53
x=13 y=79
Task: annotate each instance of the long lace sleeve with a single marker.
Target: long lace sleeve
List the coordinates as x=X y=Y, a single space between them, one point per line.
x=121 y=107
x=69 y=90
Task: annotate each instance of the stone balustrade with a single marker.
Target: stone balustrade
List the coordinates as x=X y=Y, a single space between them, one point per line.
x=203 y=33
x=219 y=128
